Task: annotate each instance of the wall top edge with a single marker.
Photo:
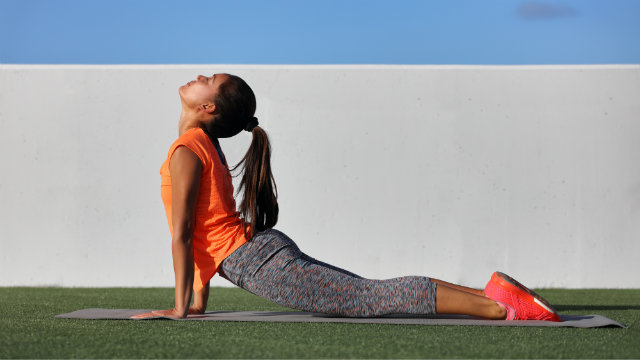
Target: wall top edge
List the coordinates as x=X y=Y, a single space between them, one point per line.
x=295 y=66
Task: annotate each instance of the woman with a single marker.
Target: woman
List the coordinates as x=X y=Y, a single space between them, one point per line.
x=209 y=235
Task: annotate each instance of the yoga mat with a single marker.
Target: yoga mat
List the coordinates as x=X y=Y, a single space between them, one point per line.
x=578 y=321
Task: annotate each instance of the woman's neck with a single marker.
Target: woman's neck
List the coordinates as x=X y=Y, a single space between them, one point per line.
x=187 y=122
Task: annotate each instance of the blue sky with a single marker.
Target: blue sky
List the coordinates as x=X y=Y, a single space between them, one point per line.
x=320 y=32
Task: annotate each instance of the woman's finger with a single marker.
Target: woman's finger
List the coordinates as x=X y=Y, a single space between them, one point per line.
x=168 y=313
x=144 y=316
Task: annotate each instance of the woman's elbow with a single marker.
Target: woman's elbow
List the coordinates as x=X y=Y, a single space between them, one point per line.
x=183 y=235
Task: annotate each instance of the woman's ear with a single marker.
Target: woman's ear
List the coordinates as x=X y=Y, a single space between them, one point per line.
x=208 y=108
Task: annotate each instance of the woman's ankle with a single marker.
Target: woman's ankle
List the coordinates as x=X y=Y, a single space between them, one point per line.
x=506 y=312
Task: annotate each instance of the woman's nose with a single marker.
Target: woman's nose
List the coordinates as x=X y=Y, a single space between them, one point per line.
x=200 y=77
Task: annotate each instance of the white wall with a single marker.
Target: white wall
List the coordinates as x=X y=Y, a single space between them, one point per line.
x=446 y=171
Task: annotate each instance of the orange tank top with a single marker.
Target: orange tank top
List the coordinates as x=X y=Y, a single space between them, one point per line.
x=218 y=229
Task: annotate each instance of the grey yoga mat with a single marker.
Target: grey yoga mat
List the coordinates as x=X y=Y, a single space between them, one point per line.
x=580 y=321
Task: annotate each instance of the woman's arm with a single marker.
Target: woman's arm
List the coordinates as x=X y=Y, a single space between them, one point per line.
x=185 y=168
x=200 y=301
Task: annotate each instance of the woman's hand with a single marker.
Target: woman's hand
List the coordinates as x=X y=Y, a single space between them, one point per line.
x=173 y=313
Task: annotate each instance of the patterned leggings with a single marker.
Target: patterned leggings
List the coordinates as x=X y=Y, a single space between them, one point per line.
x=272 y=266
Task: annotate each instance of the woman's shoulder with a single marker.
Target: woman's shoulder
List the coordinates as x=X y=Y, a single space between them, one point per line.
x=197 y=141
x=193 y=135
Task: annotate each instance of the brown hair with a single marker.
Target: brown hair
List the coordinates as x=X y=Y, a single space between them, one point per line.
x=235 y=106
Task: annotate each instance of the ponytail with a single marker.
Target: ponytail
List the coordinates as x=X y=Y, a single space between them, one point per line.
x=259 y=205
x=236 y=106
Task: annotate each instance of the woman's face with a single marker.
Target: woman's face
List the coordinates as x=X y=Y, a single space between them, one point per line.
x=202 y=90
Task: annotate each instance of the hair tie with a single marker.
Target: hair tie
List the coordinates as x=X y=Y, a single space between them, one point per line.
x=251 y=124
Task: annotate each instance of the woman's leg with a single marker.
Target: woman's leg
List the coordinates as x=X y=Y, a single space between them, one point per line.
x=310 y=259
x=457 y=299
x=459 y=287
x=270 y=265
x=273 y=267
x=453 y=301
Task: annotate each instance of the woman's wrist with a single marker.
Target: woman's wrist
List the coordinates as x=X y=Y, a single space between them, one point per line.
x=181 y=312
x=198 y=305
x=196 y=310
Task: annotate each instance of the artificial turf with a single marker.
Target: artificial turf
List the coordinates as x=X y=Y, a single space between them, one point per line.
x=28 y=329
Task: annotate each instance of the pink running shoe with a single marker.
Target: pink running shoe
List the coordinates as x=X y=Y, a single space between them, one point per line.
x=527 y=304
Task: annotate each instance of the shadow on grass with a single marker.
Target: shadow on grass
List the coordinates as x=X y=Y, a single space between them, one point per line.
x=596 y=307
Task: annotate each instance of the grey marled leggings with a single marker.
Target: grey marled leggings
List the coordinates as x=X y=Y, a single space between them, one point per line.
x=272 y=266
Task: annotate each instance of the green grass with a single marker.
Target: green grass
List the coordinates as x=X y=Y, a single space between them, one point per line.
x=28 y=329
